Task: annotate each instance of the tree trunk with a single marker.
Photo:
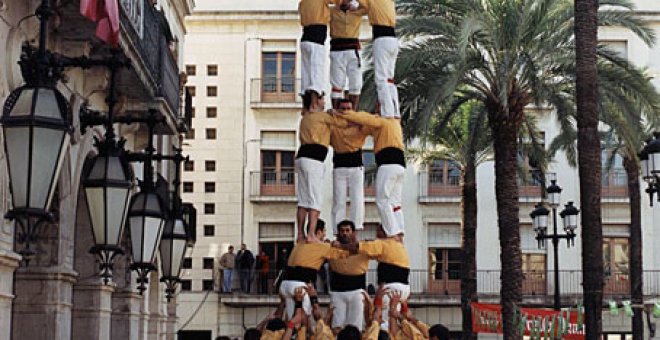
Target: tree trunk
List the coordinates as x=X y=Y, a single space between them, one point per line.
x=636 y=273
x=589 y=162
x=505 y=133
x=469 y=246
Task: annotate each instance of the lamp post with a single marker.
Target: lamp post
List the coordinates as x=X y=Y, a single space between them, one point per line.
x=540 y=223
x=650 y=164
x=107 y=184
x=146 y=215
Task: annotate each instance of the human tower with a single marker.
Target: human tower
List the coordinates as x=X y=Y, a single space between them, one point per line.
x=346 y=131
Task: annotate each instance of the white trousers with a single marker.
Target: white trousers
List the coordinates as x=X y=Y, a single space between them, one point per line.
x=287 y=289
x=404 y=289
x=349 y=309
x=309 y=183
x=351 y=179
x=385 y=51
x=345 y=65
x=312 y=66
x=389 y=188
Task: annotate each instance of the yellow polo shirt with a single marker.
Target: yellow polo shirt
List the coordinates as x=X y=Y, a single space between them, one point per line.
x=381 y=12
x=345 y=24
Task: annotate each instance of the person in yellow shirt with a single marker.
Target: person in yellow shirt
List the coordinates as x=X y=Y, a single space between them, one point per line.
x=314 y=18
x=348 y=280
x=382 y=17
x=388 y=147
x=304 y=263
x=345 y=58
x=348 y=170
x=314 y=135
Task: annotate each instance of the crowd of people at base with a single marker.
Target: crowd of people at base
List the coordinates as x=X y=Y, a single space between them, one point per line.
x=315 y=325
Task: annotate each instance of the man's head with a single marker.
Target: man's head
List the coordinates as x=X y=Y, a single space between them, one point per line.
x=439 y=332
x=349 y=332
x=320 y=230
x=252 y=334
x=313 y=101
x=231 y=249
x=243 y=246
x=383 y=335
x=345 y=231
x=345 y=105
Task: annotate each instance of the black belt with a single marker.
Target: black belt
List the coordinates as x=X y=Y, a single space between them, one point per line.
x=302 y=274
x=314 y=151
x=382 y=31
x=347 y=283
x=389 y=273
x=347 y=159
x=390 y=155
x=315 y=34
x=343 y=44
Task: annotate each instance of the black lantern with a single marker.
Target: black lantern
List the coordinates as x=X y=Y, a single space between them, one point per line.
x=190 y=219
x=146 y=217
x=173 y=247
x=569 y=216
x=107 y=186
x=540 y=218
x=650 y=165
x=554 y=193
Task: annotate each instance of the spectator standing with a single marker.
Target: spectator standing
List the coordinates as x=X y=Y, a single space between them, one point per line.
x=244 y=263
x=263 y=267
x=227 y=263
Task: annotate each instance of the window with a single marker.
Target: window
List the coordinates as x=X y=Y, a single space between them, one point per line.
x=445 y=258
x=192 y=112
x=186 y=285
x=209 y=165
x=614 y=179
x=187 y=263
x=616 y=265
x=209 y=230
x=444 y=178
x=211 y=91
x=211 y=70
x=191 y=91
x=278 y=76
x=189 y=166
x=190 y=134
x=191 y=70
x=530 y=178
x=207 y=285
x=209 y=208
x=276 y=240
x=211 y=112
x=210 y=134
x=207 y=263
x=277 y=173
x=188 y=186
x=209 y=186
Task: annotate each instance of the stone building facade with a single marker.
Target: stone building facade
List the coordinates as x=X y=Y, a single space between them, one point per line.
x=59 y=294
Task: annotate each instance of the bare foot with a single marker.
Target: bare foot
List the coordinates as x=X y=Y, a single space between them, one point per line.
x=312 y=238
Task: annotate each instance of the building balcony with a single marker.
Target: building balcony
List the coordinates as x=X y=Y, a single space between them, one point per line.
x=614 y=185
x=152 y=81
x=436 y=187
x=273 y=186
x=443 y=287
x=275 y=93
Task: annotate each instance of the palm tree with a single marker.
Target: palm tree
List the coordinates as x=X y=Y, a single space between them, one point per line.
x=463 y=142
x=507 y=55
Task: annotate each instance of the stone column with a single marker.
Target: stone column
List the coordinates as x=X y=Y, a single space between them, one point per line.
x=42 y=306
x=172 y=319
x=8 y=263
x=126 y=315
x=92 y=310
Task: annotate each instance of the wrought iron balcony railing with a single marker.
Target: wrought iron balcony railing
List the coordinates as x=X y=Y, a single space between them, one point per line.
x=274 y=90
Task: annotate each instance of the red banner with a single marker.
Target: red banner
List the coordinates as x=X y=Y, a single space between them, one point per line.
x=533 y=322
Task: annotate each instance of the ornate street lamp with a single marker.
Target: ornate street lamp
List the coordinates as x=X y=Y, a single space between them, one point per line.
x=540 y=222
x=173 y=248
x=36 y=122
x=650 y=165
x=146 y=217
x=107 y=184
